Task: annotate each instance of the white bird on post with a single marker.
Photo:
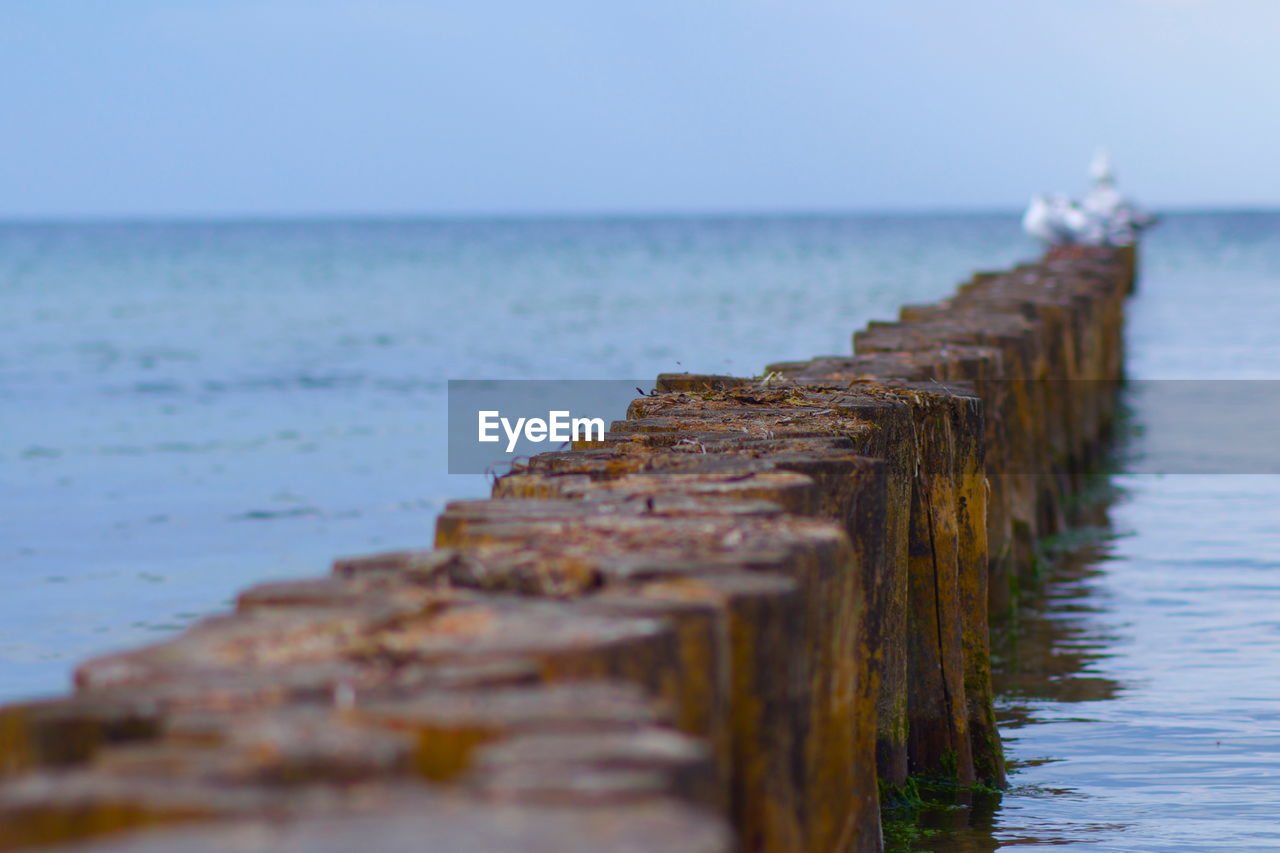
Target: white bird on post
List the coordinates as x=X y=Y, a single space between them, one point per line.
x=1103 y=218
x=1057 y=220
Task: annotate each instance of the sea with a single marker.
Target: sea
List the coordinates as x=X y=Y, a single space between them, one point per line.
x=188 y=408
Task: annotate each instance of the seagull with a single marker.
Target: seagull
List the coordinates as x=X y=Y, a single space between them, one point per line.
x=1100 y=169
x=1057 y=220
x=1103 y=218
x=1106 y=201
x=1042 y=221
x=1103 y=199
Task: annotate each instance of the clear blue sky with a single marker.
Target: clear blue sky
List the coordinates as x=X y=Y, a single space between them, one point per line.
x=231 y=107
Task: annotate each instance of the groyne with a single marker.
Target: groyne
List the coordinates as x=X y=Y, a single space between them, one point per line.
x=728 y=625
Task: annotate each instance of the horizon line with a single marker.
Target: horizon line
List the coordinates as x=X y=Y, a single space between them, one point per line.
x=9 y=219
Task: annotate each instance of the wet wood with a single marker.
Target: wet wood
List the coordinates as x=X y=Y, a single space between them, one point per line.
x=450 y=725
x=832 y=658
x=432 y=823
x=597 y=768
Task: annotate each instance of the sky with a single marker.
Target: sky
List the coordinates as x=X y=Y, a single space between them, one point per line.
x=155 y=108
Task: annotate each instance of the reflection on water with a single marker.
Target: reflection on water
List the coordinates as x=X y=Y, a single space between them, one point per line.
x=1048 y=665
x=1140 y=687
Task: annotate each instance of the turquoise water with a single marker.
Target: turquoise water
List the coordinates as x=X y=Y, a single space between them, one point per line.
x=186 y=409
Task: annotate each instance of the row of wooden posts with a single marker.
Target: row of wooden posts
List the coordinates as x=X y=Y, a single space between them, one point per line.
x=726 y=626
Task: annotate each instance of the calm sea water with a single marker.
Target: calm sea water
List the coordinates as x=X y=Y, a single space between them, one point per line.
x=1141 y=691
x=186 y=409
